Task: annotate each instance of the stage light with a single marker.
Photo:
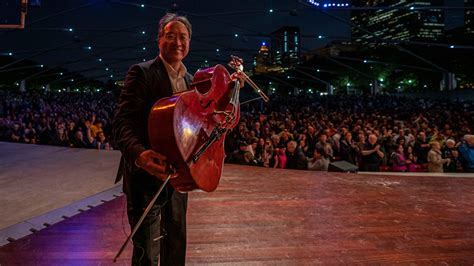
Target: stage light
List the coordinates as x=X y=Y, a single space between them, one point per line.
x=320 y=36
x=365 y=61
x=100 y=59
x=411 y=8
x=271 y=10
x=143 y=32
x=317 y=70
x=111 y=76
x=10 y=54
x=41 y=65
x=236 y=35
x=263 y=44
x=144 y=60
x=70 y=29
x=106 y=69
x=89 y=47
x=142 y=5
x=217 y=50
x=61 y=73
x=452 y=46
x=144 y=48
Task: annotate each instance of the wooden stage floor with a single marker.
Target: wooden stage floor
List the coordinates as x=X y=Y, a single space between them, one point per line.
x=282 y=217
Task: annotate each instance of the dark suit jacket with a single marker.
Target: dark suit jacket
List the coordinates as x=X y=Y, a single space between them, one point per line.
x=145 y=84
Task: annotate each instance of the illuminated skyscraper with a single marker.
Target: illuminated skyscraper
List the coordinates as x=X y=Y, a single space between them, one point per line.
x=262 y=59
x=285 y=45
x=406 y=23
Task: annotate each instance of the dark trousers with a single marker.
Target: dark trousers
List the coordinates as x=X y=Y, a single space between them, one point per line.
x=367 y=167
x=162 y=235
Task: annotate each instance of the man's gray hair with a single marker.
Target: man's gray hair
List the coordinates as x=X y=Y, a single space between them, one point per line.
x=170 y=17
x=292 y=143
x=468 y=136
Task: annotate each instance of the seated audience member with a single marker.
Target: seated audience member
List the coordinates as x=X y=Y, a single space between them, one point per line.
x=325 y=145
x=319 y=162
x=295 y=159
x=336 y=146
x=96 y=126
x=279 y=158
x=466 y=151
x=399 y=162
x=242 y=155
x=16 y=134
x=267 y=156
x=435 y=161
x=102 y=142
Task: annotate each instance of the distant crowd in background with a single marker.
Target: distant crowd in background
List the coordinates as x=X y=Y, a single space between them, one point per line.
x=375 y=133
x=77 y=120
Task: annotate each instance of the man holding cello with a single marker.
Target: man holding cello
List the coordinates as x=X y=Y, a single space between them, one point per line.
x=162 y=234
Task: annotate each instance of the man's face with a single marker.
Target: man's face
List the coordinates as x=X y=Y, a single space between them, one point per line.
x=422 y=136
x=323 y=138
x=372 y=139
x=174 y=44
x=290 y=148
x=470 y=141
x=450 y=144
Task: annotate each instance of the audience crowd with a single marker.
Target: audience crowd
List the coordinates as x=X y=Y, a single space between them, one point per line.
x=70 y=119
x=375 y=133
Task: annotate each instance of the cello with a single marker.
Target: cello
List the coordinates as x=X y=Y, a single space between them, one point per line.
x=189 y=129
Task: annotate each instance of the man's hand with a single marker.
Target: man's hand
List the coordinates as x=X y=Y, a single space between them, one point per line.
x=153 y=163
x=240 y=76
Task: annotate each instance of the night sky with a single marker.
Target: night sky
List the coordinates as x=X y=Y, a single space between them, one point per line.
x=101 y=39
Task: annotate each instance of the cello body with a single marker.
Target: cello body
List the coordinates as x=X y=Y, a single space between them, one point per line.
x=179 y=126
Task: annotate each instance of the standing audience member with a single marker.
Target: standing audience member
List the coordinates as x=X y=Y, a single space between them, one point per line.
x=349 y=149
x=467 y=153
x=372 y=155
x=435 y=161
x=450 y=152
x=422 y=147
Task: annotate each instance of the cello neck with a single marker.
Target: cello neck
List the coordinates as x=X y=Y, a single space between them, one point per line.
x=236 y=64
